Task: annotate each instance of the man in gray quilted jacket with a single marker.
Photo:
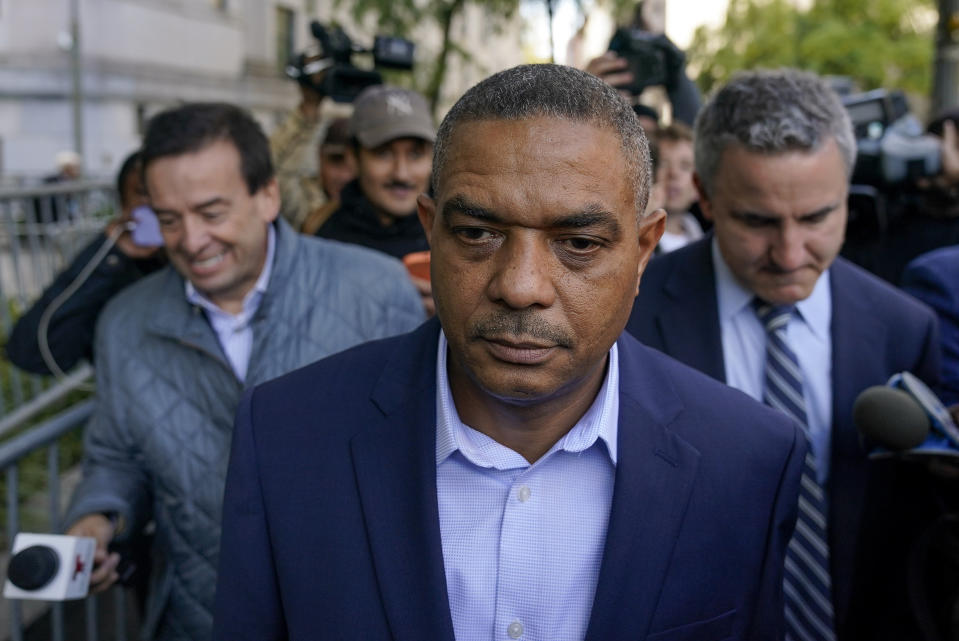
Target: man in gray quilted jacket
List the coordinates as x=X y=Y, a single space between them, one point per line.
x=245 y=299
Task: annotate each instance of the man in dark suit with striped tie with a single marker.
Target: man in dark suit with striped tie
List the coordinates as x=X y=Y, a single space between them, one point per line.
x=764 y=304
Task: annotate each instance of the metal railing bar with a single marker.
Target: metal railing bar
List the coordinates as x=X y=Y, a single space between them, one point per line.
x=28 y=410
x=13 y=526
x=91 y=621
x=48 y=431
x=56 y=621
x=120 y=614
x=53 y=479
x=68 y=187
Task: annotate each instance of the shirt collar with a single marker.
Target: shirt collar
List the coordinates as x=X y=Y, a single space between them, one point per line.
x=731 y=297
x=252 y=298
x=601 y=421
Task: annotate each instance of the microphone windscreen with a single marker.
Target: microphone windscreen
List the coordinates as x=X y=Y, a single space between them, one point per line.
x=891 y=417
x=34 y=567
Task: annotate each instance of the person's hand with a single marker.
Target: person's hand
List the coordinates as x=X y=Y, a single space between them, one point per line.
x=611 y=69
x=125 y=241
x=104 y=563
x=310 y=97
x=425 y=288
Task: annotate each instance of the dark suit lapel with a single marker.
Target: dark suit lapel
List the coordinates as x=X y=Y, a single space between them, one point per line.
x=858 y=337
x=689 y=324
x=655 y=472
x=395 y=465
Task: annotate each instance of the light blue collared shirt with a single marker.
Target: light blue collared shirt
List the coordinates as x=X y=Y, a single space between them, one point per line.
x=744 y=350
x=522 y=544
x=234 y=331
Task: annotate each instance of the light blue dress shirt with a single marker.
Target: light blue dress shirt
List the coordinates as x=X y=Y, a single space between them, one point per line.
x=522 y=544
x=234 y=331
x=744 y=350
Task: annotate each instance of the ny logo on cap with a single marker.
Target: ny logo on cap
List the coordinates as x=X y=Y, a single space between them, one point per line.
x=398 y=104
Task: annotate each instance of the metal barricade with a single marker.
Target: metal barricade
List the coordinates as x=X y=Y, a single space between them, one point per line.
x=41 y=229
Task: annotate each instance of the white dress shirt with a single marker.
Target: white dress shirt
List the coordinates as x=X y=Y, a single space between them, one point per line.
x=522 y=544
x=744 y=350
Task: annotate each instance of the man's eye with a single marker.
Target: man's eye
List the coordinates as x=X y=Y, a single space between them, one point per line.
x=166 y=221
x=473 y=234
x=581 y=244
x=212 y=215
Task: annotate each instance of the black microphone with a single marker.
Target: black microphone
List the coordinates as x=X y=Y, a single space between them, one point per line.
x=891 y=417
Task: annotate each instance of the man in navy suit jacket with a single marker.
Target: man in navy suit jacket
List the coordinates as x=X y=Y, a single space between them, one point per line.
x=774 y=151
x=933 y=278
x=518 y=468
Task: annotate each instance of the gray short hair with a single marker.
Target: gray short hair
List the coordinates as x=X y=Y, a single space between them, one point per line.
x=554 y=91
x=771 y=112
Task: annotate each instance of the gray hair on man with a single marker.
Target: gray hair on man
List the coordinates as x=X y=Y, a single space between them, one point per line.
x=771 y=112
x=553 y=91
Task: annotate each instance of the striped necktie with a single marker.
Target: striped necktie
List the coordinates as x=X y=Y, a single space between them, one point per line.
x=806 y=581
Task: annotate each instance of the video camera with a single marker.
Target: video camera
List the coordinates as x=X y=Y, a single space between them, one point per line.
x=343 y=81
x=893 y=152
x=892 y=147
x=652 y=58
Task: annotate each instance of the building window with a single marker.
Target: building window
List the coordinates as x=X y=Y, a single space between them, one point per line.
x=285 y=23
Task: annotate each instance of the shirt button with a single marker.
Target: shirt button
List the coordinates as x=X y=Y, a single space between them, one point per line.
x=514 y=630
x=523 y=496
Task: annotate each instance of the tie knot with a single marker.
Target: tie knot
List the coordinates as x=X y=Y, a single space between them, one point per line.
x=773 y=317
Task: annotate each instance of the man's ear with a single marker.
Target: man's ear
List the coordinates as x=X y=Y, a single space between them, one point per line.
x=705 y=205
x=268 y=201
x=651 y=229
x=426 y=211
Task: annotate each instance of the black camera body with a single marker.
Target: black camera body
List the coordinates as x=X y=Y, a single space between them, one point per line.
x=341 y=79
x=892 y=148
x=653 y=60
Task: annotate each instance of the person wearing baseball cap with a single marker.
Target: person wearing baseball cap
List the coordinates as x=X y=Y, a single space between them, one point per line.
x=393 y=133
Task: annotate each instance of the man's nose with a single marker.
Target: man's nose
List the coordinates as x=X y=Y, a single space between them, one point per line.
x=195 y=236
x=401 y=168
x=789 y=250
x=522 y=273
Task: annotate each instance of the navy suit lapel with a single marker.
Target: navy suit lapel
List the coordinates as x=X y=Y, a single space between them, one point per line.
x=655 y=472
x=395 y=465
x=857 y=362
x=689 y=323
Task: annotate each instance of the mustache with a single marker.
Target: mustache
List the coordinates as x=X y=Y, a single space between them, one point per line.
x=519 y=325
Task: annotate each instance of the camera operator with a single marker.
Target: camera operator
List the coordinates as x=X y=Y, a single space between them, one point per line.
x=636 y=50
x=306 y=197
x=923 y=214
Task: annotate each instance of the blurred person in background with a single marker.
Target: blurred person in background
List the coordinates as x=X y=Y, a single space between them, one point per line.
x=71 y=326
x=648 y=24
x=392 y=132
x=244 y=299
x=933 y=278
x=311 y=196
x=929 y=218
x=674 y=173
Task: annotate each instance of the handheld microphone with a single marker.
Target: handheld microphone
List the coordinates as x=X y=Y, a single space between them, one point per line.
x=49 y=567
x=905 y=417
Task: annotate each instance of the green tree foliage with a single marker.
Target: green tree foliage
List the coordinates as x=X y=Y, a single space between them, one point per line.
x=401 y=17
x=877 y=43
